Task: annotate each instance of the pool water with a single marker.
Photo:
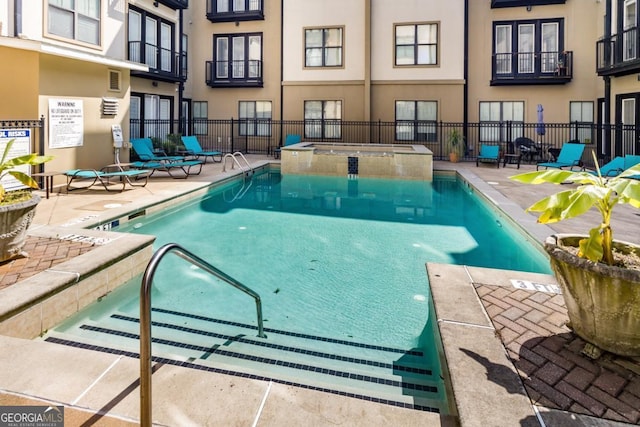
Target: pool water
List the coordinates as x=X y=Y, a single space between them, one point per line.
x=334 y=259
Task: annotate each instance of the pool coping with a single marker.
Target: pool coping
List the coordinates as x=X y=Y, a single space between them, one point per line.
x=461 y=318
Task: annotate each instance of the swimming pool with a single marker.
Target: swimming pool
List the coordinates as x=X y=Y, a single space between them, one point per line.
x=340 y=267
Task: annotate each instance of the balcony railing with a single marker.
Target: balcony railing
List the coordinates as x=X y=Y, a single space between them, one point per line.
x=234 y=11
x=244 y=73
x=532 y=68
x=619 y=54
x=164 y=64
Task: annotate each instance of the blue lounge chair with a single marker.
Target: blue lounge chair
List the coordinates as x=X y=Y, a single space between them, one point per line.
x=289 y=140
x=629 y=162
x=569 y=157
x=613 y=168
x=103 y=178
x=144 y=150
x=488 y=153
x=193 y=148
x=185 y=166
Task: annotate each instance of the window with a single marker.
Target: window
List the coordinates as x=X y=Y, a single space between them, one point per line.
x=628 y=119
x=200 y=117
x=416 y=121
x=238 y=57
x=581 y=118
x=322 y=119
x=416 y=44
x=151 y=41
x=150 y=115
x=527 y=48
x=225 y=6
x=501 y=121
x=323 y=47
x=75 y=19
x=255 y=118
x=630 y=21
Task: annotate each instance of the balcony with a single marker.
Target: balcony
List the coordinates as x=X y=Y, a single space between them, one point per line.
x=234 y=11
x=532 y=68
x=244 y=73
x=174 y=4
x=619 y=54
x=521 y=3
x=164 y=64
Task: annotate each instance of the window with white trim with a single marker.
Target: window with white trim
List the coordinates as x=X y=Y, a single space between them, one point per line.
x=200 y=117
x=75 y=19
x=581 y=118
x=416 y=121
x=501 y=121
x=322 y=119
x=416 y=44
x=255 y=118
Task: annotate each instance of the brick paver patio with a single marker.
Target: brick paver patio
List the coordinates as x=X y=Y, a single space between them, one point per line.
x=548 y=357
x=43 y=253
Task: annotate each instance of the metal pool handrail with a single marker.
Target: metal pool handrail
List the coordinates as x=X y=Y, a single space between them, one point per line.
x=145 y=316
x=235 y=162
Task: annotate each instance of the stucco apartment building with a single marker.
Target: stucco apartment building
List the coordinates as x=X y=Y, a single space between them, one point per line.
x=169 y=66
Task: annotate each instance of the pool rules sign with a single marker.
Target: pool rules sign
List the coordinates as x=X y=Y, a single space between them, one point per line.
x=66 y=123
x=21 y=146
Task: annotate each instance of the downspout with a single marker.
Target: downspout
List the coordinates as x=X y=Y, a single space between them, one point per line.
x=367 y=63
x=465 y=88
x=607 y=81
x=17 y=18
x=281 y=70
x=181 y=64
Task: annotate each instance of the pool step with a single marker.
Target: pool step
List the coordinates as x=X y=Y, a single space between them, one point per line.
x=393 y=376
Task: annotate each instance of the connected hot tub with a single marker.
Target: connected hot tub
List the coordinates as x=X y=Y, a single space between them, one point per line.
x=358 y=160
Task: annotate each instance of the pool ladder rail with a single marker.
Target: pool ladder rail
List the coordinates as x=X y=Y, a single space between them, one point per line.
x=245 y=167
x=145 y=315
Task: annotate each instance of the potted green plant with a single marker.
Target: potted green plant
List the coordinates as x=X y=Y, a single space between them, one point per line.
x=455 y=142
x=17 y=207
x=599 y=276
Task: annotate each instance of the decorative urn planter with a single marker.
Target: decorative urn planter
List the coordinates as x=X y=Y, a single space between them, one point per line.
x=603 y=301
x=15 y=219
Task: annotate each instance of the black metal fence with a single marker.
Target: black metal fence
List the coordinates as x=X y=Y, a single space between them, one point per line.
x=263 y=136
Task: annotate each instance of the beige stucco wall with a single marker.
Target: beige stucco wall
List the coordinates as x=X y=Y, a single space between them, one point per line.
x=223 y=102
x=450 y=17
x=19 y=88
x=580 y=34
x=448 y=94
x=302 y=14
x=62 y=78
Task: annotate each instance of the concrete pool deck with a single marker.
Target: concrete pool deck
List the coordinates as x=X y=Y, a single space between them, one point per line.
x=510 y=357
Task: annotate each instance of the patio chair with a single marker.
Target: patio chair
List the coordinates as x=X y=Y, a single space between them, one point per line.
x=528 y=148
x=489 y=153
x=569 y=157
x=631 y=160
x=170 y=168
x=612 y=168
x=193 y=148
x=289 y=140
x=103 y=178
x=143 y=148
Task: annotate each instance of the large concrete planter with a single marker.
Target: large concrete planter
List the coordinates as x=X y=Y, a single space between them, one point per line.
x=15 y=219
x=603 y=302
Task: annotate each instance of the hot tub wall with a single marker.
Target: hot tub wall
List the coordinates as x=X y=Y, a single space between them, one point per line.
x=375 y=163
